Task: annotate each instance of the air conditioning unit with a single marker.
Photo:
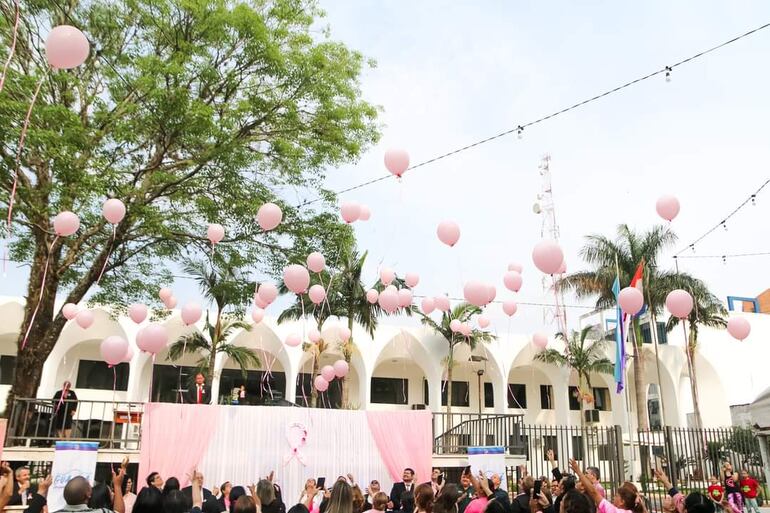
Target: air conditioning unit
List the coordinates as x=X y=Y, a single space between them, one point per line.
x=591 y=416
x=419 y=407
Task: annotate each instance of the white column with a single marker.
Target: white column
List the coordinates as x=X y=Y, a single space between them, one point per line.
x=501 y=396
x=561 y=395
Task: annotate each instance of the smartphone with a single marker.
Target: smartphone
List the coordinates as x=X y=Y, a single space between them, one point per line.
x=440 y=479
x=538 y=485
x=320 y=482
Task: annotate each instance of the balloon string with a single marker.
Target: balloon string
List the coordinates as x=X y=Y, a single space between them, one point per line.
x=114 y=384
x=302 y=384
x=13 y=46
x=109 y=253
x=40 y=296
x=153 y=371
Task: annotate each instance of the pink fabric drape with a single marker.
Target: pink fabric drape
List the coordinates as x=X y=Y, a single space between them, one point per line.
x=175 y=438
x=404 y=439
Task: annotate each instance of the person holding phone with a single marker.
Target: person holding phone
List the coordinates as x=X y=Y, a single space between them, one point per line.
x=313 y=494
x=436 y=481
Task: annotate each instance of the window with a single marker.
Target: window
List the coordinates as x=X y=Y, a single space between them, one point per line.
x=7 y=369
x=460 y=395
x=303 y=388
x=489 y=395
x=550 y=442
x=577 y=447
x=425 y=392
x=546 y=397
x=662 y=335
x=169 y=383
x=98 y=376
x=602 y=398
x=574 y=399
x=517 y=395
x=261 y=389
x=390 y=391
x=605 y=452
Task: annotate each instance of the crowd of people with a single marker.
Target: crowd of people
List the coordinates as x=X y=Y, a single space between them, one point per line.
x=574 y=491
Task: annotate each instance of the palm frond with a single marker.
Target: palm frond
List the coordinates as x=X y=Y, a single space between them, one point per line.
x=193 y=343
x=244 y=357
x=552 y=356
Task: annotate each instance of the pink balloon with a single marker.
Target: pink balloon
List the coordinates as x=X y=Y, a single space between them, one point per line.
x=268 y=292
x=540 y=340
x=191 y=312
x=85 y=318
x=113 y=349
x=738 y=327
x=321 y=384
x=341 y=368
x=411 y=280
x=448 y=232
x=113 y=210
x=259 y=303
x=316 y=262
x=509 y=307
x=344 y=333
x=296 y=278
x=257 y=314
x=514 y=266
x=215 y=233
x=66 y=223
x=386 y=276
x=327 y=372
x=350 y=211
x=455 y=325
x=465 y=330
x=512 y=281
x=365 y=214
x=372 y=296
x=69 y=311
x=547 y=256
x=388 y=300
x=483 y=321
x=129 y=353
x=293 y=340
x=170 y=303
x=667 y=207
x=269 y=216
x=442 y=303
x=562 y=267
x=679 y=303
x=317 y=294
x=137 y=312
x=314 y=335
x=397 y=161
x=165 y=293
x=631 y=300
x=392 y=288
x=428 y=305
x=476 y=293
x=66 y=47
x=152 y=338
x=491 y=293
x=404 y=298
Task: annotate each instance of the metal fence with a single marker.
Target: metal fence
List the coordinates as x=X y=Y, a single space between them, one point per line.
x=453 y=434
x=40 y=422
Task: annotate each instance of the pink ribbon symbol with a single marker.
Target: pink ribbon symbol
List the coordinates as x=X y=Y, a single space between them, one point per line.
x=296 y=435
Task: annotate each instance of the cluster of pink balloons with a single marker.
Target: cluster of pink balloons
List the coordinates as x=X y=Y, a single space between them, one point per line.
x=152 y=338
x=66 y=47
x=266 y=294
x=397 y=161
x=478 y=293
x=339 y=369
x=269 y=216
x=667 y=207
x=167 y=296
x=548 y=257
x=352 y=212
x=115 y=350
x=448 y=232
x=462 y=328
x=390 y=299
x=440 y=303
x=83 y=318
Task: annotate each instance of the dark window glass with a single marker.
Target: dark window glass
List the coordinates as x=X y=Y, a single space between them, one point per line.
x=7 y=369
x=303 y=388
x=517 y=395
x=489 y=395
x=99 y=376
x=577 y=447
x=546 y=397
x=574 y=399
x=550 y=442
x=602 y=398
x=390 y=391
x=460 y=392
x=260 y=389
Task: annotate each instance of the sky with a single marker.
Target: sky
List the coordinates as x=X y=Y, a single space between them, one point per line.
x=450 y=73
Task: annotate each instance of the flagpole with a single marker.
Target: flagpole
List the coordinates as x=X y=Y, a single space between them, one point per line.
x=654 y=336
x=619 y=326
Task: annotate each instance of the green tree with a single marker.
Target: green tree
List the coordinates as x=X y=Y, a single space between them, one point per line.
x=707 y=311
x=189 y=112
x=463 y=313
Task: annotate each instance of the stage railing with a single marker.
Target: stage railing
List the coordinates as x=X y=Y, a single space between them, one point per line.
x=453 y=434
x=41 y=422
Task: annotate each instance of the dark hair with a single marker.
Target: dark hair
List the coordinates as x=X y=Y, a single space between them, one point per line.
x=495 y=506
x=446 y=500
x=341 y=500
x=76 y=491
x=594 y=471
x=224 y=485
x=696 y=502
x=358 y=499
x=170 y=485
x=151 y=478
x=629 y=494
x=124 y=487
x=100 y=497
x=409 y=469
x=298 y=508
x=176 y=501
x=236 y=492
x=568 y=483
x=423 y=498
x=148 y=500
x=576 y=502
x=527 y=484
x=245 y=504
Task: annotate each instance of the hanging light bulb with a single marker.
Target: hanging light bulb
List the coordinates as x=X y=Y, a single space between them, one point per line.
x=724 y=225
x=724 y=259
x=668 y=74
x=754 y=199
x=520 y=132
x=692 y=247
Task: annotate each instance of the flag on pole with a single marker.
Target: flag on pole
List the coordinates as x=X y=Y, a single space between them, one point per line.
x=620 y=346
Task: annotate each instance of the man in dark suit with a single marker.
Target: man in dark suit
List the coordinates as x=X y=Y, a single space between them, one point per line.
x=198 y=393
x=402 y=494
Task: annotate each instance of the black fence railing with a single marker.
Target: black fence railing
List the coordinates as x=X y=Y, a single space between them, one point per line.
x=453 y=434
x=41 y=422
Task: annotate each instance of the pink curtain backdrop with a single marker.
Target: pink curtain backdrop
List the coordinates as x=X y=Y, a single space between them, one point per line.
x=175 y=438
x=404 y=439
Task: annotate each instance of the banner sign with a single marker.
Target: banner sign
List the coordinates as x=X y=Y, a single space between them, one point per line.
x=489 y=459
x=71 y=459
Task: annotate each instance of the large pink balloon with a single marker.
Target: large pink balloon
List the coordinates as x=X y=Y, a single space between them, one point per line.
x=327 y=371
x=259 y=302
x=85 y=318
x=344 y=333
x=476 y=293
x=257 y=314
x=129 y=353
x=428 y=305
x=170 y=303
x=316 y=262
x=738 y=327
x=512 y=281
x=515 y=266
x=293 y=340
x=296 y=278
x=366 y=213
x=165 y=293
x=317 y=294
x=341 y=368
x=215 y=233
x=350 y=211
x=267 y=292
x=448 y=232
x=191 y=312
x=631 y=300
x=455 y=325
x=540 y=340
x=483 y=321
x=321 y=384
x=152 y=338
x=113 y=349
x=679 y=303
x=547 y=256
x=137 y=312
x=397 y=161
x=411 y=280
x=66 y=47
x=386 y=276
x=442 y=303
x=667 y=207
x=388 y=300
x=70 y=311
x=314 y=335
x=66 y=223
x=509 y=307
x=372 y=296
x=269 y=216
x=404 y=298
x=113 y=210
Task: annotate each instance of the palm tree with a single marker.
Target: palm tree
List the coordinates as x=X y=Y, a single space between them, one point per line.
x=222 y=285
x=708 y=311
x=463 y=313
x=621 y=257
